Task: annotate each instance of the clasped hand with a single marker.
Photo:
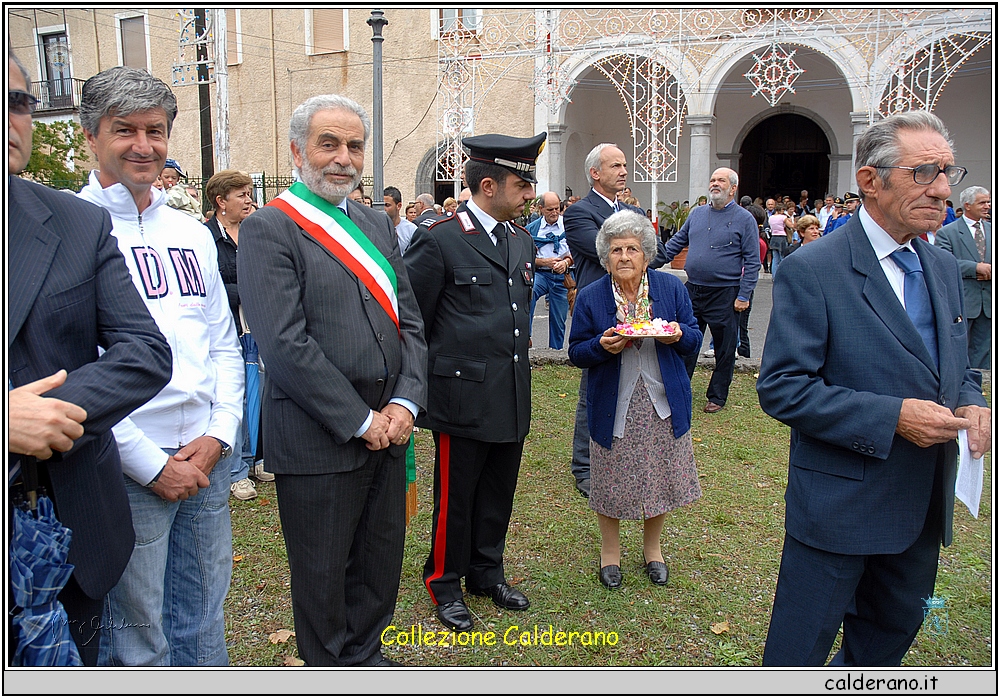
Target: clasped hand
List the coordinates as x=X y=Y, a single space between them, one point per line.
x=393 y=425
x=187 y=471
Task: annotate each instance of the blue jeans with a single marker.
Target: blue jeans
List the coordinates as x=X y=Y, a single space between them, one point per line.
x=240 y=467
x=166 y=610
x=552 y=284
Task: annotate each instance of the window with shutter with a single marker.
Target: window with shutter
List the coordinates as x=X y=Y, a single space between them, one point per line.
x=133 y=33
x=233 y=38
x=328 y=29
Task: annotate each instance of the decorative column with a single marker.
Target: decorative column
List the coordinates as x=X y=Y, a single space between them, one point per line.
x=859 y=123
x=701 y=155
x=555 y=159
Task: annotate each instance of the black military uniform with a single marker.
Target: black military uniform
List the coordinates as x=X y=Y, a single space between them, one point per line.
x=474 y=294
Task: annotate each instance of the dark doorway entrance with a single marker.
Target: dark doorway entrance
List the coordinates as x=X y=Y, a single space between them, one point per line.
x=785 y=154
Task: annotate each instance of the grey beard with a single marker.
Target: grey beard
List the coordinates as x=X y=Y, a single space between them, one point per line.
x=315 y=179
x=717 y=199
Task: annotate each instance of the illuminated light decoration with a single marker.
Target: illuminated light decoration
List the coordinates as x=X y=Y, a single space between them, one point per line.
x=892 y=58
x=773 y=73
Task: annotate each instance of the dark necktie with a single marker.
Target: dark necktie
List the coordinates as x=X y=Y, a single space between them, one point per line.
x=980 y=240
x=917 y=299
x=501 y=232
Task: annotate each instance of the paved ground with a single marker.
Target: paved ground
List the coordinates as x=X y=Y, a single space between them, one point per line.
x=760 y=313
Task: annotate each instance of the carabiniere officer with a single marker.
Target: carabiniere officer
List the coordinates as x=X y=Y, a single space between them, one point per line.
x=472 y=274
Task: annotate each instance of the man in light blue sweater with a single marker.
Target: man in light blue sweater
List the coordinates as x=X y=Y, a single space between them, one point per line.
x=722 y=264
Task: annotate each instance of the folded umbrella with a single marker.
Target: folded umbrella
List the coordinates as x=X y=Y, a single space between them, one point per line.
x=251 y=412
x=38 y=572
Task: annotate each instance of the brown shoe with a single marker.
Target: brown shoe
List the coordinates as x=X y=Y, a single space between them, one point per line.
x=711 y=407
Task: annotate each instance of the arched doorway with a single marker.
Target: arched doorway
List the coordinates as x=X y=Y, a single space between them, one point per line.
x=785 y=154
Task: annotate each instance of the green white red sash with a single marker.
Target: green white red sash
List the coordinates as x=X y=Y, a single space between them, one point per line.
x=331 y=228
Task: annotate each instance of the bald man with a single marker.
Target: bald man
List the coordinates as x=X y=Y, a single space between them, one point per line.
x=722 y=264
x=552 y=261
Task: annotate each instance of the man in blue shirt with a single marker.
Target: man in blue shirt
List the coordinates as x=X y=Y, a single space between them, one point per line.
x=551 y=264
x=722 y=265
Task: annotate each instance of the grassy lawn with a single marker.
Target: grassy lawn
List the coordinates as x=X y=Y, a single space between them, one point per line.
x=723 y=552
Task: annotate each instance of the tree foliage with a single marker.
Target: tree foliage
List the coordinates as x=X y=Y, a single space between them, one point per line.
x=56 y=147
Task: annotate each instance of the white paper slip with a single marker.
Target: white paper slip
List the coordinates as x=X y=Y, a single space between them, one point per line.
x=969 y=480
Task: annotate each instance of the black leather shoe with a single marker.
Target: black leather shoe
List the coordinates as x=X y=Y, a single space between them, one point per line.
x=658 y=572
x=583 y=487
x=611 y=576
x=504 y=596
x=386 y=662
x=454 y=615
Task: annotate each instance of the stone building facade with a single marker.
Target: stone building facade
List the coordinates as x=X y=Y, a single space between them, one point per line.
x=778 y=94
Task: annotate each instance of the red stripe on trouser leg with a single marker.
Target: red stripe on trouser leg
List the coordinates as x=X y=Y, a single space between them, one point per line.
x=444 y=465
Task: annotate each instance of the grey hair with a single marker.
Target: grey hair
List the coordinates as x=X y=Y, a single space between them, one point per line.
x=969 y=195
x=626 y=224
x=734 y=179
x=594 y=159
x=20 y=66
x=298 y=126
x=427 y=200
x=878 y=146
x=121 y=91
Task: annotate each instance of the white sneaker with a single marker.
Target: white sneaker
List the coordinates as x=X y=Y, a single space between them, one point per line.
x=243 y=489
x=710 y=353
x=260 y=474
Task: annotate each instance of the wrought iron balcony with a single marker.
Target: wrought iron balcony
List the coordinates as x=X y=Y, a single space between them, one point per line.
x=58 y=94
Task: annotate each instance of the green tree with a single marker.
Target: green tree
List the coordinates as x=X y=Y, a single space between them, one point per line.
x=56 y=147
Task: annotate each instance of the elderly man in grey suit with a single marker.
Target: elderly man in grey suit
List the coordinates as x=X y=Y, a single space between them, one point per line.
x=970 y=239
x=329 y=303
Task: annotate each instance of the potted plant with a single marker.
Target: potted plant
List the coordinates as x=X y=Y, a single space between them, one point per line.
x=674 y=217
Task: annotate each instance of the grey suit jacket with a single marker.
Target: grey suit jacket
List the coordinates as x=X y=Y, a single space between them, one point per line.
x=959 y=240
x=841 y=356
x=331 y=351
x=71 y=293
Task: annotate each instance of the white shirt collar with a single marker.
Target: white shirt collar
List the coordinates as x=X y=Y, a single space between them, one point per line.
x=881 y=241
x=488 y=222
x=558 y=224
x=969 y=222
x=610 y=202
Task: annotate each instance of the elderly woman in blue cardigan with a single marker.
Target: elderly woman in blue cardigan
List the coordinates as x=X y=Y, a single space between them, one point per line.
x=638 y=393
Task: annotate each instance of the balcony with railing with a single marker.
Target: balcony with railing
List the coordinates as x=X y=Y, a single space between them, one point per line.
x=58 y=95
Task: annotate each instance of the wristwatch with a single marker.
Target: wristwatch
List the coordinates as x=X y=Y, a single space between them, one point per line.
x=227 y=450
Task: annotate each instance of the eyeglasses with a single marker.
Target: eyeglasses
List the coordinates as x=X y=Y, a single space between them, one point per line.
x=21 y=102
x=926 y=174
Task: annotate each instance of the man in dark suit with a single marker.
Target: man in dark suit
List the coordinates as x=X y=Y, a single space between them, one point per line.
x=70 y=294
x=866 y=361
x=472 y=274
x=332 y=310
x=970 y=239
x=607 y=172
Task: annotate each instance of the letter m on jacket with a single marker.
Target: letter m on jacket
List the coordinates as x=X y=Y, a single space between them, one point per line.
x=188 y=272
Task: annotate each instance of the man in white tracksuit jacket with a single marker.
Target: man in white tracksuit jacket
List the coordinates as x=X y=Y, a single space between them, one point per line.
x=167 y=607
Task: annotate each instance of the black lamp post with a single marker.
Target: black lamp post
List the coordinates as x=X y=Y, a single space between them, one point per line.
x=376 y=22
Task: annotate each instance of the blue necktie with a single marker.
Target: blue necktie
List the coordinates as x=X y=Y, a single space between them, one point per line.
x=918 y=300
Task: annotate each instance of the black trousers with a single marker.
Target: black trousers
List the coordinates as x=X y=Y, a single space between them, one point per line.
x=743 y=348
x=474 y=483
x=713 y=308
x=879 y=600
x=344 y=536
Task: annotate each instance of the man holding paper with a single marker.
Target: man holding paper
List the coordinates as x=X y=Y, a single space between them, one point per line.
x=866 y=361
x=331 y=308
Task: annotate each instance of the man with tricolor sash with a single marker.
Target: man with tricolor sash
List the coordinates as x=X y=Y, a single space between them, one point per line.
x=332 y=310
x=473 y=274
